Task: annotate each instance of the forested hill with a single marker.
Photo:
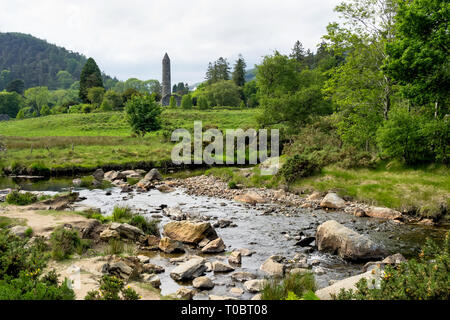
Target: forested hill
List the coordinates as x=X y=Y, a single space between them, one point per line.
x=38 y=63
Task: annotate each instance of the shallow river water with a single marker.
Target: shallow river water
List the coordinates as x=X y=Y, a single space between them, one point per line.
x=257 y=229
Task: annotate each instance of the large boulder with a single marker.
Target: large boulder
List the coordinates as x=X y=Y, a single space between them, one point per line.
x=168 y=245
x=235 y=258
x=272 y=267
x=346 y=284
x=254 y=286
x=332 y=201
x=383 y=213
x=99 y=175
x=127 y=231
x=153 y=175
x=242 y=276
x=121 y=269
x=189 y=270
x=114 y=175
x=189 y=232
x=218 y=266
x=57 y=203
x=334 y=237
x=250 y=198
x=131 y=174
x=152 y=279
x=215 y=246
x=19 y=231
x=203 y=283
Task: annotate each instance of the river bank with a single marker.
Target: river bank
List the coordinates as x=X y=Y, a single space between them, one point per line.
x=266 y=223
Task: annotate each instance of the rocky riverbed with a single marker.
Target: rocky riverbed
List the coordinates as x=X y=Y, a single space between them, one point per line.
x=270 y=232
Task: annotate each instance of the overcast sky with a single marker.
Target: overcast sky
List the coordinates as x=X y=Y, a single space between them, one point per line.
x=129 y=38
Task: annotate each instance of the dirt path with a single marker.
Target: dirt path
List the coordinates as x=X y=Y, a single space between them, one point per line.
x=43 y=223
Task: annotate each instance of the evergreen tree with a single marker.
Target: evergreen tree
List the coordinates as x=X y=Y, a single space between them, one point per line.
x=186 y=102
x=298 y=52
x=239 y=72
x=90 y=77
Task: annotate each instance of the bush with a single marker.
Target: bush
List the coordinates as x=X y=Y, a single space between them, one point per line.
x=64 y=242
x=148 y=227
x=186 y=102
x=203 y=103
x=423 y=279
x=116 y=246
x=112 y=288
x=402 y=137
x=21 y=199
x=294 y=285
x=298 y=166
x=232 y=185
x=122 y=214
x=16 y=256
x=143 y=114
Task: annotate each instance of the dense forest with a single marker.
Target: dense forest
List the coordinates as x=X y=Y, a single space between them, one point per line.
x=38 y=63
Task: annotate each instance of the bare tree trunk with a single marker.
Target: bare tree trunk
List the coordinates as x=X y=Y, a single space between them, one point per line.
x=436 y=108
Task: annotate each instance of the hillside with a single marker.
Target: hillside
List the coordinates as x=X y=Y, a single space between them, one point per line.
x=38 y=62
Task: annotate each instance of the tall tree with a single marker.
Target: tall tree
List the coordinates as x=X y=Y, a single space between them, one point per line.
x=239 y=71
x=298 y=52
x=17 y=86
x=90 y=77
x=218 y=71
x=419 y=57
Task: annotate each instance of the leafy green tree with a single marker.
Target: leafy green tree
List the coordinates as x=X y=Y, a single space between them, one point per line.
x=186 y=102
x=401 y=137
x=289 y=98
x=36 y=98
x=95 y=95
x=223 y=93
x=129 y=93
x=172 y=103
x=65 y=79
x=45 y=111
x=16 y=86
x=10 y=103
x=203 y=103
x=239 y=72
x=90 y=77
x=143 y=114
x=112 y=101
x=250 y=92
x=418 y=57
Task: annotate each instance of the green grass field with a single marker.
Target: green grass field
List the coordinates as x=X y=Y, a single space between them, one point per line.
x=99 y=139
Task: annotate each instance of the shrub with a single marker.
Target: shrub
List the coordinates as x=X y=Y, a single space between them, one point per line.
x=203 y=103
x=112 y=288
x=423 y=279
x=20 y=199
x=121 y=214
x=232 y=185
x=64 y=242
x=148 y=227
x=16 y=256
x=27 y=286
x=186 y=102
x=143 y=114
x=293 y=285
x=298 y=166
x=29 y=232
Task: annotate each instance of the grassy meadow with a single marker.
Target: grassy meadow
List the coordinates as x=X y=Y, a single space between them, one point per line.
x=102 y=139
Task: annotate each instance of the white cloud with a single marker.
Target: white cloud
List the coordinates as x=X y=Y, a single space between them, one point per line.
x=129 y=38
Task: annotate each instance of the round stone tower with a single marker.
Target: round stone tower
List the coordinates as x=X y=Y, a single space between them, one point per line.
x=166 y=81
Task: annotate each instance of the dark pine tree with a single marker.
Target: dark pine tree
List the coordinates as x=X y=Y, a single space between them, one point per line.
x=90 y=77
x=298 y=52
x=16 y=86
x=239 y=71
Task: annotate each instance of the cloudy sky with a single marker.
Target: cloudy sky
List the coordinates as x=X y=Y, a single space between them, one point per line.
x=129 y=38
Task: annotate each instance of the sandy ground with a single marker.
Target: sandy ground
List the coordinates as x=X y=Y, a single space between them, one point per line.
x=84 y=271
